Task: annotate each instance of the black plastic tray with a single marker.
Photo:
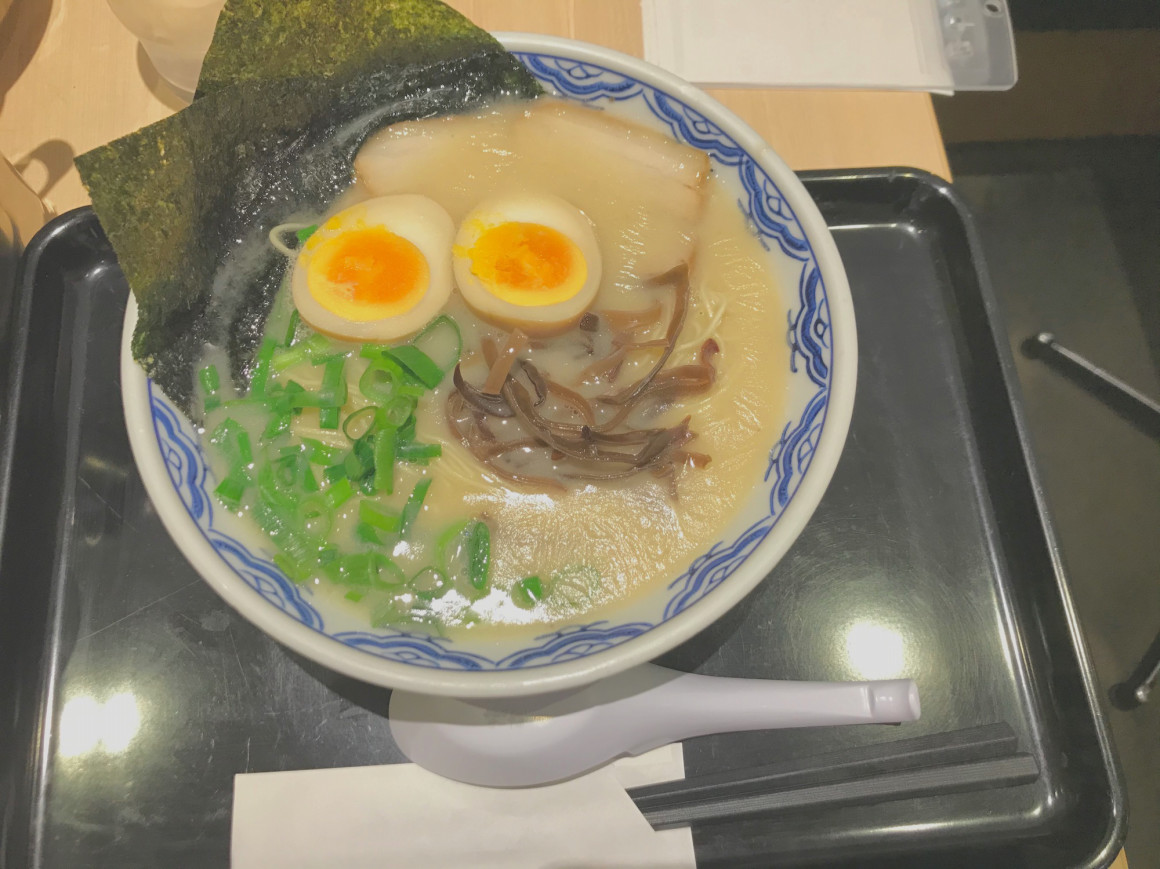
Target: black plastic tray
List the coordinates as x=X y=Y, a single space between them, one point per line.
x=930 y=556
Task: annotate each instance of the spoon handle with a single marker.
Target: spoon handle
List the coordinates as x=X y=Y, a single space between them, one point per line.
x=684 y=705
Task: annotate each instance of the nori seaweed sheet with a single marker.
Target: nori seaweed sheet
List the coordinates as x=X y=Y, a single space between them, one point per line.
x=187 y=202
x=265 y=40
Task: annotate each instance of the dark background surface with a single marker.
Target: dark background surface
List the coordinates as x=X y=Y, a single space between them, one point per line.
x=1071 y=231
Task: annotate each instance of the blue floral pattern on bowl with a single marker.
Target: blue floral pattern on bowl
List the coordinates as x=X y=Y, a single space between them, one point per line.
x=811 y=355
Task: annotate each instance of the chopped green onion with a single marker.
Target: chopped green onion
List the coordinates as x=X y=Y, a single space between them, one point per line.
x=418 y=363
x=294 y=571
x=231 y=489
x=332 y=392
x=360 y=423
x=279 y=424
x=414 y=505
x=286 y=471
x=261 y=371
x=309 y=482
x=210 y=380
x=388 y=573
x=276 y=490
x=292 y=327
x=382 y=358
x=431 y=582
x=418 y=453
x=244 y=450
x=396 y=412
x=385 y=379
x=351 y=569
x=479 y=555
x=318 y=345
x=338 y=493
x=407 y=430
x=356 y=596
x=305 y=232
x=328 y=418
x=356 y=466
x=527 y=592
x=429 y=344
x=321 y=454
x=292 y=389
x=288 y=357
x=234 y=443
x=298 y=400
x=384 y=458
x=376 y=383
x=450 y=533
x=376 y=517
x=292 y=543
x=364 y=570
x=365 y=533
x=317 y=517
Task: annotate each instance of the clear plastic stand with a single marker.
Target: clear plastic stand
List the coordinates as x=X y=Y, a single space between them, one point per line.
x=978 y=44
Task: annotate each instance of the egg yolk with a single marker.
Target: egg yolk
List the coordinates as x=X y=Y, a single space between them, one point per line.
x=368 y=274
x=527 y=263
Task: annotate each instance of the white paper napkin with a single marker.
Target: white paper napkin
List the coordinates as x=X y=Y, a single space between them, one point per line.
x=884 y=44
x=401 y=816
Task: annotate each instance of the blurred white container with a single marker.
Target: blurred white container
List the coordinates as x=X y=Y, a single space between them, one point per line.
x=174 y=33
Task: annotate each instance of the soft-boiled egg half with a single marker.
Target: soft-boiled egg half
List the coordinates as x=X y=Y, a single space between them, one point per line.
x=376 y=271
x=527 y=260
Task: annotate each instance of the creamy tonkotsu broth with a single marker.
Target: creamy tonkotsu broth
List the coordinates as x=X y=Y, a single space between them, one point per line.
x=576 y=546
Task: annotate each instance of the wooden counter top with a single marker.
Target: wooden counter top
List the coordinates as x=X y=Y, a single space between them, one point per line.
x=72 y=78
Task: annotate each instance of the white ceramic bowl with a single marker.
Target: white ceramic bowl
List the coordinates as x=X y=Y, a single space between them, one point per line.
x=823 y=362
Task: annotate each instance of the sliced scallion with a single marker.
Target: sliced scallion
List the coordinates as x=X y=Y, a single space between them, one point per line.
x=418 y=363
x=377 y=517
x=414 y=505
x=430 y=583
x=295 y=571
x=360 y=423
x=397 y=410
x=332 y=392
x=441 y=330
x=292 y=327
x=278 y=423
x=338 y=492
x=261 y=371
x=209 y=379
x=319 y=453
x=288 y=357
x=328 y=418
x=479 y=555
x=418 y=453
x=527 y=592
x=384 y=458
x=230 y=490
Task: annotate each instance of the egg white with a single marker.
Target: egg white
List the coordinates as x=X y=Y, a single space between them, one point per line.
x=415 y=218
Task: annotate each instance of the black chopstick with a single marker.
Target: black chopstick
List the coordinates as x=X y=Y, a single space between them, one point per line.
x=970 y=759
x=956 y=778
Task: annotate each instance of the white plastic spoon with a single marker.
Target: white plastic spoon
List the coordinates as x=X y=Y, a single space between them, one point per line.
x=536 y=740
